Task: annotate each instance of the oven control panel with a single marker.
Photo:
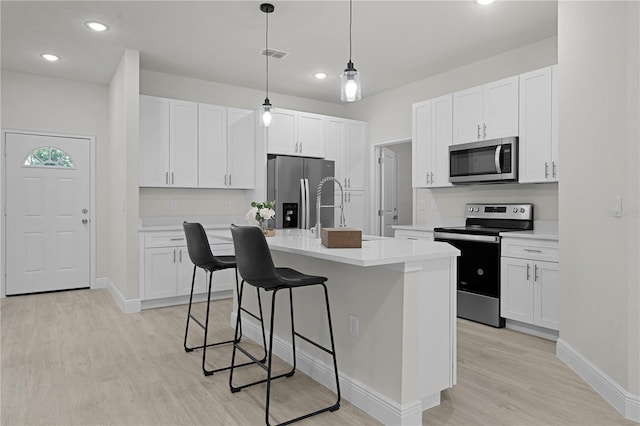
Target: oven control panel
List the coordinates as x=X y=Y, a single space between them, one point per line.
x=499 y=211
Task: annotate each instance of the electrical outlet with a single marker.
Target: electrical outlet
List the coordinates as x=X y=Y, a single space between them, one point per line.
x=174 y=205
x=353 y=325
x=423 y=204
x=227 y=204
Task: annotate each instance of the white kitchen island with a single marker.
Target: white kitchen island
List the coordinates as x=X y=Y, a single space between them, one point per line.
x=403 y=293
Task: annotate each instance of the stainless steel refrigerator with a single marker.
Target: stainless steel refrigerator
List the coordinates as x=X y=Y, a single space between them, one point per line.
x=293 y=183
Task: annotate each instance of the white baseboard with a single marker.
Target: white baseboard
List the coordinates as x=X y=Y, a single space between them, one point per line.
x=531 y=329
x=184 y=300
x=127 y=306
x=624 y=402
x=368 y=400
x=102 y=283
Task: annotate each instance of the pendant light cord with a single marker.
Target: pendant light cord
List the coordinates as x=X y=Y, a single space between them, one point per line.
x=266 y=52
x=350 y=23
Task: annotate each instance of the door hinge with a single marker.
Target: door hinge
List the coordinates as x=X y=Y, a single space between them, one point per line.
x=380 y=160
x=380 y=212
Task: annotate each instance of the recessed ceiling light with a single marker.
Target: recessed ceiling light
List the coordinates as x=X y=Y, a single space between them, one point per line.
x=484 y=2
x=50 y=57
x=97 y=26
x=320 y=75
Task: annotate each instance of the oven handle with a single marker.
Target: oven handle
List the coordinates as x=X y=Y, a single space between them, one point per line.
x=496 y=159
x=466 y=237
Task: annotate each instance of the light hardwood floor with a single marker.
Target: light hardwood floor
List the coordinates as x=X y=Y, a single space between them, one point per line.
x=75 y=358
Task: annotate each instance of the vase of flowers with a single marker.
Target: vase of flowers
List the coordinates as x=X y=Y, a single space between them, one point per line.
x=263 y=213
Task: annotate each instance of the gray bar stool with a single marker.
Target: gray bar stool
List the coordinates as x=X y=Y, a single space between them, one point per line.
x=255 y=265
x=202 y=257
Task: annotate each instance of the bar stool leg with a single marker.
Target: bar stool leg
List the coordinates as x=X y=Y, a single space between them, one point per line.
x=186 y=330
x=333 y=349
x=293 y=334
x=206 y=330
x=233 y=352
x=270 y=359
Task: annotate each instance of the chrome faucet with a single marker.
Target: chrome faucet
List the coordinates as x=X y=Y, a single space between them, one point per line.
x=318 y=227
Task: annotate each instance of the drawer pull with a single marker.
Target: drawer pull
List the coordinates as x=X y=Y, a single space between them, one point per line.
x=177 y=239
x=533 y=251
x=411 y=238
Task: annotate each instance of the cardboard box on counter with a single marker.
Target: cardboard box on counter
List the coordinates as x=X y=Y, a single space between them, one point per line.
x=341 y=238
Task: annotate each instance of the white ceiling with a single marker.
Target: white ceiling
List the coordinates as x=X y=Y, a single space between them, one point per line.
x=394 y=42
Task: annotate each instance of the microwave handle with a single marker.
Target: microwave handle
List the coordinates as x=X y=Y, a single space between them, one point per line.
x=496 y=159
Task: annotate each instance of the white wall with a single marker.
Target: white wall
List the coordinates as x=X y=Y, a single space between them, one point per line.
x=389 y=117
x=598 y=51
x=156 y=202
x=31 y=102
x=123 y=208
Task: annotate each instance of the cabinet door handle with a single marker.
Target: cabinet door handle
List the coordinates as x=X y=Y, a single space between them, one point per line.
x=533 y=250
x=172 y=179
x=528 y=274
x=546 y=170
x=301 y=146
x=535 y=272
x=166 y=178
x=431 y=178
x=484 y=131
x=174 y=256
x=349 y=183
x=297 y=147
x=553 y=169
x=427 y=178
x=225 y=180
x=478 y=131
x=180 y=255
x=229 y=179
x=349 y=197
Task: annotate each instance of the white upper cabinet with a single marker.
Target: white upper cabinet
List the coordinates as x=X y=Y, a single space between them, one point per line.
x=486 y=112
x=189 y=145
x=183 y=142
x=347 y=146
x=538 y=146
x=432 y=136
x=241 y=148
x=168 y=142
x=226 y=138
x=296 y=133
x=154 y=141
x=212 y=141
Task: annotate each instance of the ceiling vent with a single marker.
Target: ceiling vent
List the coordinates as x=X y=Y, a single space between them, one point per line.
x=275 y=54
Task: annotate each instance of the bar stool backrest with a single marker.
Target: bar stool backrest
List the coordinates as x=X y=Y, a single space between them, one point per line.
x=253 y=257
x=198 y=245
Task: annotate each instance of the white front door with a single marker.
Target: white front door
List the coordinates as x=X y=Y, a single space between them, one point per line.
x=389 y=191
x=47 y=223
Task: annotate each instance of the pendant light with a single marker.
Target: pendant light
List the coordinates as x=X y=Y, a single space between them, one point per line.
x=350 y=79
x=267 y=8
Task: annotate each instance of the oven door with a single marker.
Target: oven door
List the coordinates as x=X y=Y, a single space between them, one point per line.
x=478 y=263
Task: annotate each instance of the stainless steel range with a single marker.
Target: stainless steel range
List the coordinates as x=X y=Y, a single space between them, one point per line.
x=479 y=261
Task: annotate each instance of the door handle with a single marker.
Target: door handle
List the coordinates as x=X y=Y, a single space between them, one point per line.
x=496 y=159
x=85 y=221
x=85 y=211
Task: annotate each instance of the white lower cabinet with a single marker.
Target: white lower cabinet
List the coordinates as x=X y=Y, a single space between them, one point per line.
x=167 y=270
x=529 y=286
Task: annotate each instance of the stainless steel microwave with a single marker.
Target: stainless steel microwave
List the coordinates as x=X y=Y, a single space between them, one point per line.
x=494 y=160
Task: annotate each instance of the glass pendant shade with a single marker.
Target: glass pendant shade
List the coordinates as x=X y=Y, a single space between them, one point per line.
x=266 y=113
x=350 y=89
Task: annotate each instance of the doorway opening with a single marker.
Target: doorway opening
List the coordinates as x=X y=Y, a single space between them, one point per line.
x=393 y=193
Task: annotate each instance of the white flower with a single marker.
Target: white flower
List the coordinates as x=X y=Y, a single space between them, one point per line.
x=267 y=213
x=251 y=214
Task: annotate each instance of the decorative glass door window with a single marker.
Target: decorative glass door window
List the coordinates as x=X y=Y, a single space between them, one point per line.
x=48 y=156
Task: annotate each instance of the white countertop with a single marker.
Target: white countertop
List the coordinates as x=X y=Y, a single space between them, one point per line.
x=374 y=251
x=542 y=230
